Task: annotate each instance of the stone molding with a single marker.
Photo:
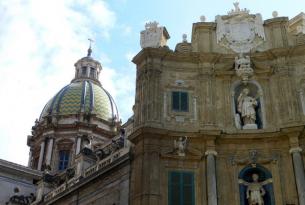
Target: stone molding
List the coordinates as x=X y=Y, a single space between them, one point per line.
x=211 y=152
x=295 y=150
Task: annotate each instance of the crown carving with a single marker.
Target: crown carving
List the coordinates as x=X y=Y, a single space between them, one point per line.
x=237 y=10
x=151 y=25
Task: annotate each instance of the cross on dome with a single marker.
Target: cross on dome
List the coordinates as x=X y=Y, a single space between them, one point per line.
x=89 y=49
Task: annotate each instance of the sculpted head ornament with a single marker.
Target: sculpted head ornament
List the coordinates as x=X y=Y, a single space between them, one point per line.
x=151 y=25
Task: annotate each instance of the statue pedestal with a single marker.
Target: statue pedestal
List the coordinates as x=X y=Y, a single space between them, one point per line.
x=250 y=127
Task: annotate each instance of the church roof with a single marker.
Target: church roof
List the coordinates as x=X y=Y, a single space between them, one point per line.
x=83 y=96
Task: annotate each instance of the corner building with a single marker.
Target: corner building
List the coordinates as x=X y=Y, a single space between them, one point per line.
x=220 y=120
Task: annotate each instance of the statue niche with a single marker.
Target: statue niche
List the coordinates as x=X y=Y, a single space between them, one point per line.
x=255 y=186
x=248 y=106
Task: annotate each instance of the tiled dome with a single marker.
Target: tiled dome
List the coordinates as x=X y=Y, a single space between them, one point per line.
x=83 y=96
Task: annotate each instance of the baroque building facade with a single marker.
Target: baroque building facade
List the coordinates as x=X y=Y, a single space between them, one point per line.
x=218 y=120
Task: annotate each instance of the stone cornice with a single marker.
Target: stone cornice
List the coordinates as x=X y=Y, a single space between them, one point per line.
x=45 y=131
x=21 y=170
x=277 y=20
x=240 y=135
x=217 y=58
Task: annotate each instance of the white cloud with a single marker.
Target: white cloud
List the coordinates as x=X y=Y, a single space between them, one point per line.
x=121 y=87
x=40 y=41
x=129 y=55
x=126 y=30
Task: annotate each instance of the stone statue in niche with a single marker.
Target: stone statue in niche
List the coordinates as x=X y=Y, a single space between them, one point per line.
x=255 y=190
x=180 y=145
x=246 y=108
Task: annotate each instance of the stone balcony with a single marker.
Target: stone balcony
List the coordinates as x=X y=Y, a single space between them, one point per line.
x=88 y=164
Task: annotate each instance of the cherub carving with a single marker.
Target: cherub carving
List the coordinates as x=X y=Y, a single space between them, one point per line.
x=180 y=145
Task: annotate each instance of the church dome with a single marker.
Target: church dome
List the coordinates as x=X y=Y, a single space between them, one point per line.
x=82 y=97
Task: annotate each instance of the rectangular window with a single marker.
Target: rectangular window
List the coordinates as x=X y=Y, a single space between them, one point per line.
x=180 y=101
x=92 y=73
x=84 y=71
x=63 y=159
x=181 y=188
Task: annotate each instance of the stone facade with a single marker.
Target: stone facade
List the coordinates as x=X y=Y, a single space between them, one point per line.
x=219 y=152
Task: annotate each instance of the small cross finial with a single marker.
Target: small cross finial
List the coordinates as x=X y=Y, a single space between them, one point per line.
x=236 y=5
x=89 y=49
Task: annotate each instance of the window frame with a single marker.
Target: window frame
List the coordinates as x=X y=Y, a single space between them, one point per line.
x=84 y=71
x=182 y=185
x=180 y=101
x=92 y=73
x=66 y=159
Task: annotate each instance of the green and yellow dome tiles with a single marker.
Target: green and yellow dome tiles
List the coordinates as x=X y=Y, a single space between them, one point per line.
x=82 y=96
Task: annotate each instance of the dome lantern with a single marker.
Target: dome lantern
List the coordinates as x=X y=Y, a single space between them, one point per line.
x=87 y=67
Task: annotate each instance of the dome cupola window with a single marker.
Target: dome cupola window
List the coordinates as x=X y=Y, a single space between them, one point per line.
x=87 y=68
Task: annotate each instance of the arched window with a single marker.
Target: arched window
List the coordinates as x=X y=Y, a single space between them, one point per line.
x=63 y=159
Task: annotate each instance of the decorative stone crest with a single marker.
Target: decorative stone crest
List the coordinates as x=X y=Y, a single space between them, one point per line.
x=154 y=36
x=239 y=30
x=253 y=159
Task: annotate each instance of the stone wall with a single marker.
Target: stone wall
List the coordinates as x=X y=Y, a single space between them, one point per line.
x=110 y=188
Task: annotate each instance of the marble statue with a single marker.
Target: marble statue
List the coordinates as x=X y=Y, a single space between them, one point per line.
x=255 y=190
x=180 y=145
x=246 y=108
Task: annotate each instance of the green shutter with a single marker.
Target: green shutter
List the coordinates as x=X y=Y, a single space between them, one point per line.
x=181 y=188
x=183 y=101
x=175 y=101
x=180 y=101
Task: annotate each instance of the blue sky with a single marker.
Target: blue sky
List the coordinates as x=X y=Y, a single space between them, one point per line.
x=41 y=40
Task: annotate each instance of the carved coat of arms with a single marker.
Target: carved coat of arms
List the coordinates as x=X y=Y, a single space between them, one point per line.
x=239 y=30
x=153 y=36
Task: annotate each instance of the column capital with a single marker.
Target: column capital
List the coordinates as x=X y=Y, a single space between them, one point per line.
x=211 y=152
x=50 y=137
x=295 y=149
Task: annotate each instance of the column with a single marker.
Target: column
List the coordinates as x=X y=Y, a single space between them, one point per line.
x=49 y=151
x=165 y=106
x=299 y=173
x=195 y=108
x=30 y=158
x=211 y=177
x=302 y=100
x=78 y=144
x=42 y=145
